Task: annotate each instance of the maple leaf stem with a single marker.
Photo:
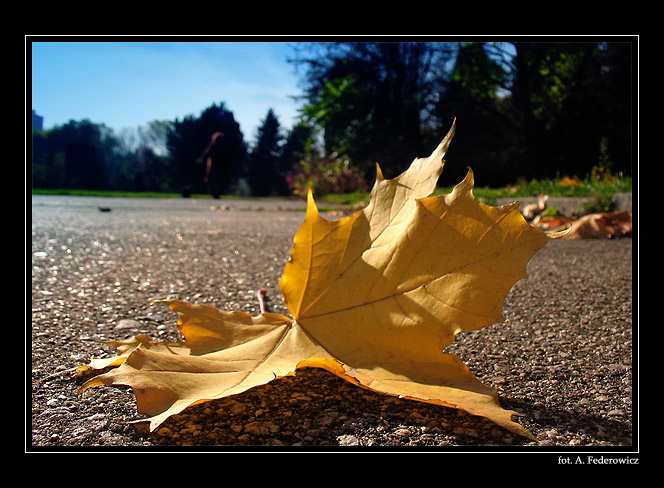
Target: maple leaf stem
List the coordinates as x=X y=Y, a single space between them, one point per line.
x=261 y=295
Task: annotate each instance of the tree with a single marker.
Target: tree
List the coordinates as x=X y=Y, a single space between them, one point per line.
x=573 y=101
x=154 y=135
x=78 y=154
x=188 y=138
x=265 y=173
x=374 y=100
x=529 y=109
x=299 y=144
x=478 y=73
x=475 y=93
x=539 y=110
x=337 y=112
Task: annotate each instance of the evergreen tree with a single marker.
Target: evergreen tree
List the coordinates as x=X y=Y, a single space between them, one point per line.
x=188 y=139
x=299 y=145
x=265 y=176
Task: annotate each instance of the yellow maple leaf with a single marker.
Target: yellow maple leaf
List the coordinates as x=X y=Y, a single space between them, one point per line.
x=375 y=298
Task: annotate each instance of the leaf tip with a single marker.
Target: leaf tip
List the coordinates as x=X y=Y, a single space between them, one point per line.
x=470 y=177
x=465 y=187
x=379 y=173
x=312 y=209
x=444 y=145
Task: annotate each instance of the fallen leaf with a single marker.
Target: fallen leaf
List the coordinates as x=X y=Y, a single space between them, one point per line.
x=375 y=298
x=598 y=226
x=533 y=210
x=546 y=224
x=224 y=353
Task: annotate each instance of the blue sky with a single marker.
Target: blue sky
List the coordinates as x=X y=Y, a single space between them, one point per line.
x=127 y=84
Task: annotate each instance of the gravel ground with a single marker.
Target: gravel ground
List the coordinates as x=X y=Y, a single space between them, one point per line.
x=562 y=359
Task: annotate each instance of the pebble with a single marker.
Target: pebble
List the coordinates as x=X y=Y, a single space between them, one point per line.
x=128 y=324
x=97 y=416
x=348 y=440
x=165 y=432
x=237 y=409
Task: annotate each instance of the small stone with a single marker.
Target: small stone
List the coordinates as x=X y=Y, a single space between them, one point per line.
x=127 y=324
x=348 y=440
x=465 y=431
x=96 y=416
x=165 y=432
x=237 y=409
x=257 y=428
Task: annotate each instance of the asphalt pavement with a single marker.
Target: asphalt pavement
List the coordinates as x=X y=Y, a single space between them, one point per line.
x=563 y=358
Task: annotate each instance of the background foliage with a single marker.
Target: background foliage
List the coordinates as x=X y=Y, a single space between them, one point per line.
x=525 y=110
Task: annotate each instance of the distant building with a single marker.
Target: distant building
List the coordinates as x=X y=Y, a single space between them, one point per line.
x=37 y=121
